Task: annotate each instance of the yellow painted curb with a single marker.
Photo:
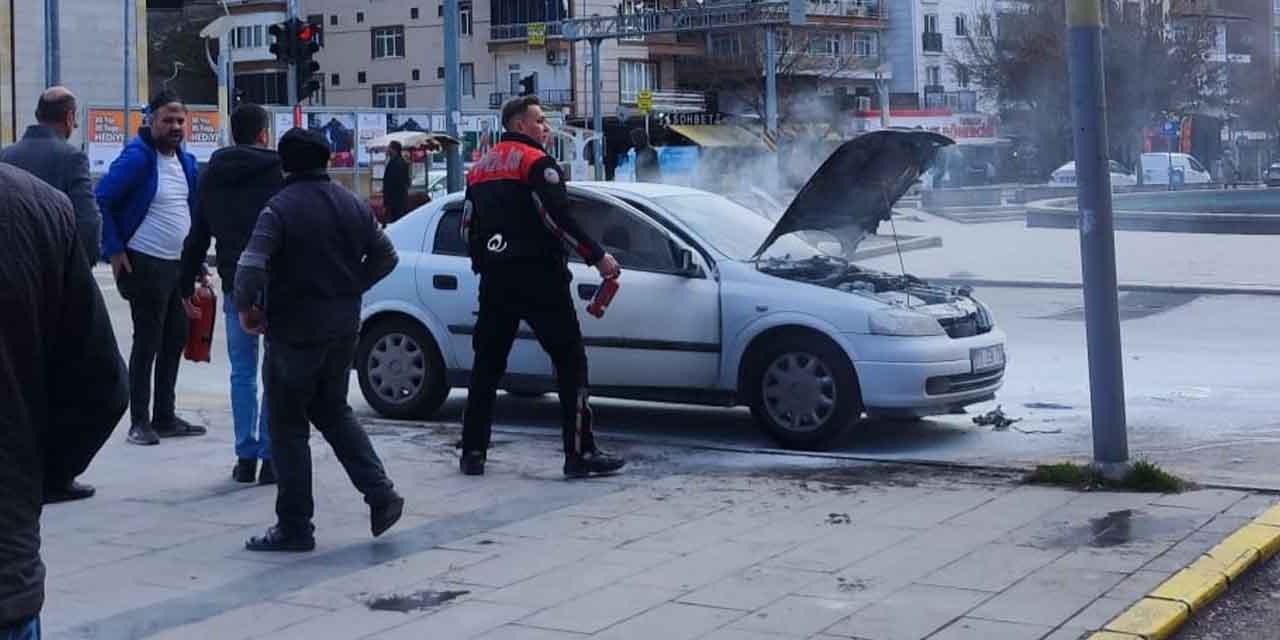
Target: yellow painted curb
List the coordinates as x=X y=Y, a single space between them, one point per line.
x=1264 y=539
x=1224 y=561
x=1112 y=635
x=1271 y=517
x=1192 y=587
x=1151 y=619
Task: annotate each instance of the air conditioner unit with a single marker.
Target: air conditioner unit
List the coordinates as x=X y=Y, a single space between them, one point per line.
x=557 y=56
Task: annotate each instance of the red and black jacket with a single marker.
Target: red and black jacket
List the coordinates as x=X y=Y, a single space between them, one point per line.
x=517 y=209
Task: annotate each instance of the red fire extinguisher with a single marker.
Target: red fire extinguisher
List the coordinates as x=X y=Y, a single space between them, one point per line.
x=200 y=330
x=604 y=295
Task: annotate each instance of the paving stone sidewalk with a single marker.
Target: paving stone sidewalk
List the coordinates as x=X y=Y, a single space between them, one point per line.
x=687 y=544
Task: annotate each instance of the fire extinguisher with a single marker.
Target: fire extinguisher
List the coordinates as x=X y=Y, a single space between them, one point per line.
x=604 y=295
x=200 y=330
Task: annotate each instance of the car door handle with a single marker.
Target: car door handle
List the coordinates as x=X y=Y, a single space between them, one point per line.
x=446 y=283
x=588 y=291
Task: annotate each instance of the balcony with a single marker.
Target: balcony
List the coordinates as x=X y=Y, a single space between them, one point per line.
x=506 y=33
x=935 y=96
x=871 y=14
x=548 y=97
x=932 y=42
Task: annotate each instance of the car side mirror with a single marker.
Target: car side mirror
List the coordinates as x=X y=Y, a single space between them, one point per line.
x=685 y=264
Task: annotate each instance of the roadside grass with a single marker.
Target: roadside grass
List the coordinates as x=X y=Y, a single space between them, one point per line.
x=1143 y=477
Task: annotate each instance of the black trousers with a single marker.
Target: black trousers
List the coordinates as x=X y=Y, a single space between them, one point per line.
x=307 y=384
x=159 y=335
x=538 y=295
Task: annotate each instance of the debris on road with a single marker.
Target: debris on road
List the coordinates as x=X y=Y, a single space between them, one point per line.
x=996 y=419
x=839 y=518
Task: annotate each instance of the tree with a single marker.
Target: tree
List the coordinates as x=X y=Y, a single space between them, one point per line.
x=1154 y=70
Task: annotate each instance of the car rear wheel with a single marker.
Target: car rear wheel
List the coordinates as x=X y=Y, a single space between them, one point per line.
x=804 y=391
x=400 y=370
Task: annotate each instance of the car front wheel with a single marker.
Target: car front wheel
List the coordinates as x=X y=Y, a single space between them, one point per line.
x=804 y=391
x=400 y=370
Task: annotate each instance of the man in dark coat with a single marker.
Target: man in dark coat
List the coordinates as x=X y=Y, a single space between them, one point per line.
x=647 y=169
x=44 y=152
x=314 y=252
x=63 y=385
x=233 y=190
x=395 y=184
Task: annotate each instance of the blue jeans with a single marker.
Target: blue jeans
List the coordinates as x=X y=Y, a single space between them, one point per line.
x=28 y=630
x=252 y=440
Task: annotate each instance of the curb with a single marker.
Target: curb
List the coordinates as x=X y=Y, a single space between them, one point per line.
x=1163 y=611
x=1246 y=290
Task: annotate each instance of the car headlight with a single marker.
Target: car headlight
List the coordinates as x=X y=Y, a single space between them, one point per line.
x=902 y=322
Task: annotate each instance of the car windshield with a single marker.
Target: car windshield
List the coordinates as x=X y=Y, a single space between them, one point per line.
x=731 y=228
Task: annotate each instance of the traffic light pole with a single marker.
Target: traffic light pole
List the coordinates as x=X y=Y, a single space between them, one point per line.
x=452 y=96
x=53 y=45
x=597 y=112
x=1097 y=237
x=292 y=80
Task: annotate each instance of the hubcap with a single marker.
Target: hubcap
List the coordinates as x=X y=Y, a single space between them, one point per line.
x=799 y=392
x=397 y=368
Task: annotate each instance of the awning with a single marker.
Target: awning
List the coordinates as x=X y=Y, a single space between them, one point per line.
x=719 y=135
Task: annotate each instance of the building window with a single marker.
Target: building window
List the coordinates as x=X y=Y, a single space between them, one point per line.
x=984 y=25
x=263 y=88
x=636 y=76
x=1276 y=44
x=962 y=25
x=726 y=45
x=632 y=7
x=440 y=10
x=335 y=80
x=388 y=96
x=387 y=42
x=360 y=78
x=825 y=44
x=1277 y=7
x=866 y=44
x=933 y=75
x=439 y=73
x=962 y=77
x=417 y=75
x=333 y=20
x=931 y=23
x=413 y=13
x=467 y=78
x=359 y=17
x=464 y=18
x=247 y=37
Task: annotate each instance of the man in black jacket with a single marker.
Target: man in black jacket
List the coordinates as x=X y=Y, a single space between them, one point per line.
x=647 y=167
x=517 y=227
x=236 y=185
x=315 y=250
x=395 y=184
x=63 y=384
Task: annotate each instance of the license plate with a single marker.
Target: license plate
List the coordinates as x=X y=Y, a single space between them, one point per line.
x=987 y=358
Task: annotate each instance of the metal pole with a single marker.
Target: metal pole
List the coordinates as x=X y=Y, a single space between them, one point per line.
x=128 y=97
x=770 y=82
x=293 y=71
x=597 y=112
x=452 y=97
x=224 y=89
x=1097 y=237
x=53 y=45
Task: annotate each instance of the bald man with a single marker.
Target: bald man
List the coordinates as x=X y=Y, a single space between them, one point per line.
x=44 y=152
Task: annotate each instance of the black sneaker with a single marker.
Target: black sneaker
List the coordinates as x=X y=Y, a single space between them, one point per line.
x=276 y=539
x=384 y=517
x=245 y=470
x=69 y=492
x=143 y=434
x=592 y=462
x=472 y=463
x=178 y=428
x=268 y=473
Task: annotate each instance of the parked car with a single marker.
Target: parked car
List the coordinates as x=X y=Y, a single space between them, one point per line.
x=1273 y=175
x=718 y=306
x=1065 y=176
x=1186 y=169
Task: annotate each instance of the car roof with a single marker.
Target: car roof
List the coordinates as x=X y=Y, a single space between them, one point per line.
x=641 y=189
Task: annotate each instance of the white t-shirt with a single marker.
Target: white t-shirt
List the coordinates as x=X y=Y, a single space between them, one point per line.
x=169 y=219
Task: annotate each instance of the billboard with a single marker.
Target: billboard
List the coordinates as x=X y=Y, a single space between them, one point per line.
x=106 y=135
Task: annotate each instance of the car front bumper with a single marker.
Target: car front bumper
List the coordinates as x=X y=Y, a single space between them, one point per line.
x=923 y=376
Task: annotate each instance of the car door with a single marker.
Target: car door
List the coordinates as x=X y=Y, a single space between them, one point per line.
x=662 y=330
x=449 y=289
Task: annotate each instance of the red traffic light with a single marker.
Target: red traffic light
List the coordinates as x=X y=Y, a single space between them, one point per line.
x=306 y=33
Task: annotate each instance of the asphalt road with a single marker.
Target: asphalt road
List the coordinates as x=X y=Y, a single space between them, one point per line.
x=1249 y=611
x=1201 y=386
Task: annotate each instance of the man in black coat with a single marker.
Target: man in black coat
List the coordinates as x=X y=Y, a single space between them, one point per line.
x=395 y=184
x=647 y=169
x=315 y=250
x=63 y=384
x=233 y=190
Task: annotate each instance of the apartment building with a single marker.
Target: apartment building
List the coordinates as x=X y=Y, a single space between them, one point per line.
x=924 y=36
x=93 y=42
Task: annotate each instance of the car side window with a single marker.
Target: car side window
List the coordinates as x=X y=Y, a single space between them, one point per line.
x=635 y=242
x=1195 y=164
x=448 y=240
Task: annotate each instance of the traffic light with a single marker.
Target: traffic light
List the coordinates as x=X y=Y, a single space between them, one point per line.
x=283 y=36
x=526 y=85
x=307 y=43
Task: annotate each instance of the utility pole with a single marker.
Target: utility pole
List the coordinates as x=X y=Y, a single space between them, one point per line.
x=1097 y=237
x=452 y=97
x=770 y=81
x=293 y=71
x=53 y=45
x=597 y=112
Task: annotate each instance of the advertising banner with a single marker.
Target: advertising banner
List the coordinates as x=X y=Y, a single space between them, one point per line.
x=105 y=136
x=203 y=131
x=283 y=123
x=340 y=130
x=370 y=127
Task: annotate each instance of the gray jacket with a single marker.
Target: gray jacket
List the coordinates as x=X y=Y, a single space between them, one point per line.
x=45 y=154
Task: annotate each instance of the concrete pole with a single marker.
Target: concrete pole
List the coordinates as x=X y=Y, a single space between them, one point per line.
x=1097 y=237
x=452 y=97
x=770 y=82
x=128 y=45
x=597 y=112
x=53 y=45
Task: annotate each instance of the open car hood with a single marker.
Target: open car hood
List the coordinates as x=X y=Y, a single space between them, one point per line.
x=858 y=185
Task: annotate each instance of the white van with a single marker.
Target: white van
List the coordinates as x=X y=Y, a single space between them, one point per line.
x=1154 y=169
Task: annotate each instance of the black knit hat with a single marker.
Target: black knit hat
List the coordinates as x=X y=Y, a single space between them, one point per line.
x=303 y=150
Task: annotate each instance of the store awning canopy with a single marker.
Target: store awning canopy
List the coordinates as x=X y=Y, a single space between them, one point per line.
x=719 y=136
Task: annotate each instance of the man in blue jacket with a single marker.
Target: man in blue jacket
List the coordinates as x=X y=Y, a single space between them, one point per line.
x=146 y=200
